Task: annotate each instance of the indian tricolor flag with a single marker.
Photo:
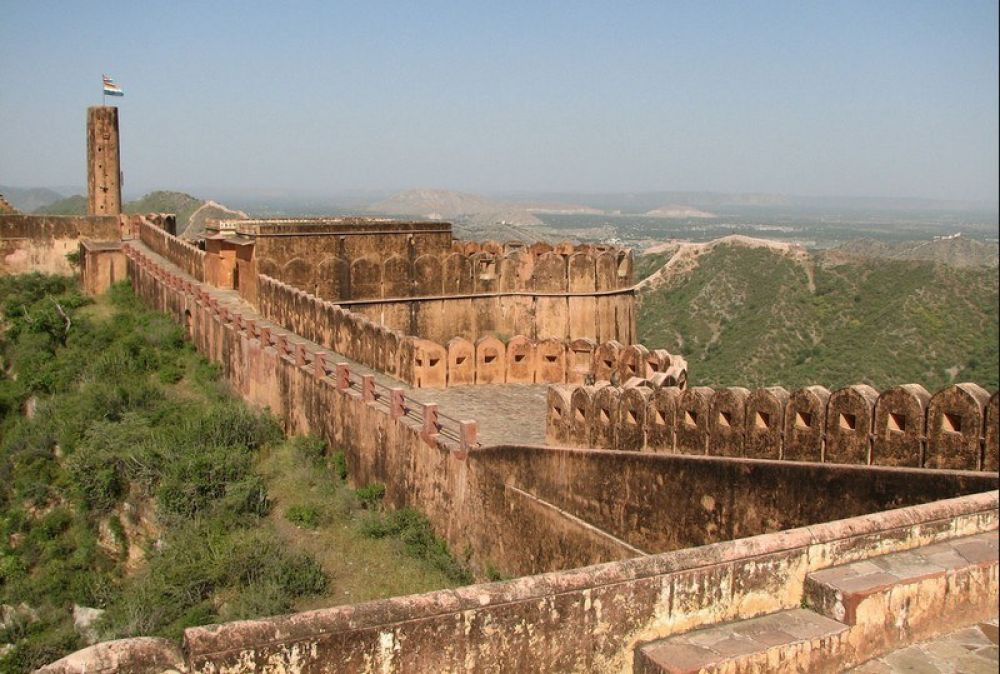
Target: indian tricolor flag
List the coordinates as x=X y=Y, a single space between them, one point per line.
x=112 y=89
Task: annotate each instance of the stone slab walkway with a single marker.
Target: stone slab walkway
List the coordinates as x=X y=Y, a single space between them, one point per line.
x=972 y=650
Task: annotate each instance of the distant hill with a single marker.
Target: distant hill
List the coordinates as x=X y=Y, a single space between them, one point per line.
x=27 y=199
x=758 y=315
x=192 y=213
x=209 y=210
x=679 y=212
x=957 y=251
x=469 y=209
x=74 y=205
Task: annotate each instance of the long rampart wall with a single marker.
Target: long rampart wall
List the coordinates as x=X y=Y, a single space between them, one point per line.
x=526 y=510
x=178 y=251
x=459 y=361
x=904 y=426
x=41 y=242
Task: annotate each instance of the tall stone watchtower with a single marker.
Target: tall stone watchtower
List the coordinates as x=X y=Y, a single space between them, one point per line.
x=104 y=189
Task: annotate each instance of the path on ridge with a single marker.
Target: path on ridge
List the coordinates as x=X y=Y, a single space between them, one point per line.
x=504 y=413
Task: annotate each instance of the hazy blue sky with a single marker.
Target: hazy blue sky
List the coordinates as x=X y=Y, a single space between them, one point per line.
x=832 y=98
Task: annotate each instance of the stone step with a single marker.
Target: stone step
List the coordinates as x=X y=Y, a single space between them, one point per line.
x=896 y=599
x=797 y=640
x=853 y=613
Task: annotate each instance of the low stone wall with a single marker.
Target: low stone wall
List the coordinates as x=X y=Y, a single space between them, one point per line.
x=178 y=251
x=41 y=242
x=587 y=619
x=903 y=426
x=331 y=326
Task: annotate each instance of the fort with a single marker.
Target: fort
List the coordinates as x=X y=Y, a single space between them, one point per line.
x=652 y=525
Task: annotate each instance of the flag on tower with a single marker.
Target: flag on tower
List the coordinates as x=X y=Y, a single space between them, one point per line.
x=112 y=89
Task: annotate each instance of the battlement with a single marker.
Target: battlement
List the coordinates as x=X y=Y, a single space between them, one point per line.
x=424 y=363
x=956 y=428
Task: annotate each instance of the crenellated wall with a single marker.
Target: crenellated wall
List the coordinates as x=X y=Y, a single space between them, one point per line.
x=533 y=509
x=178 y=251
x=358 y=259
x=904 y=426
x=425 y=363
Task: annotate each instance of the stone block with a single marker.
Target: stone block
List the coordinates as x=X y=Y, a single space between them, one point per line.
x=691 y=425
x=551 y=359
x=631 y=431
x=606 y=417
x=850 y=412
x=491 y=361
x=522 y=360
x=661 y=419
x=632 y=362
x=898 y=436
x=581 y=273
x=461 y=362
x=429 y=364
x=657 y=361
x=582 y=413
x=393 y=339
x=428 y=276
x=549 y=273
x=805 y=422
x=727 y=422
x=955 y=420
x=559 y=416
x=458 y=275
x=580 y=361
x=485 y=269
x=765 y=415
x=396 y=277
x=606 y=357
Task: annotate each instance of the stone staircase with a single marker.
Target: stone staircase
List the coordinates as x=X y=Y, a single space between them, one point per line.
x=850 y=614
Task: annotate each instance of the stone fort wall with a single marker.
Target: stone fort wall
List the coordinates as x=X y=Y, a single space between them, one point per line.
x=956 y=428
x=41 y=242
x=413 y=277
x=533 y=509
x=426 y=363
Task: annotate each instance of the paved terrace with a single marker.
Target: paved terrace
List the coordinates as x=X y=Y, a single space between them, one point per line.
x=503 y=413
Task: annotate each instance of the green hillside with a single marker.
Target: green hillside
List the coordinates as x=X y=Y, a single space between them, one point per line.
x=74 y=205
x=751 y=317
x=132 y=482
x=182 y=205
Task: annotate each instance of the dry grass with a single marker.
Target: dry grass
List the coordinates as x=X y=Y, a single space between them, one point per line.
x=359 y=568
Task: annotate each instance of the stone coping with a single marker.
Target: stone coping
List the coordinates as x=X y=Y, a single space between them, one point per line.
x=253 y=634
x=783 y=463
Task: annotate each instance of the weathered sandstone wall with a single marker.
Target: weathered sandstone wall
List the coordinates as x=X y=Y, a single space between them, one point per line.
x=904 y=426
x=41 y=242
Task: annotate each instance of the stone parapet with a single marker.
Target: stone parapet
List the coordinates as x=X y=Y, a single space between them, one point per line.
x=904 y=426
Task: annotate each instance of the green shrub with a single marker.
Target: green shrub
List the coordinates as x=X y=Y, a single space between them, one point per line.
x=414 y=530
x=310 y=448
x=340 y=466
x=370 y=496
x=303 y=516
